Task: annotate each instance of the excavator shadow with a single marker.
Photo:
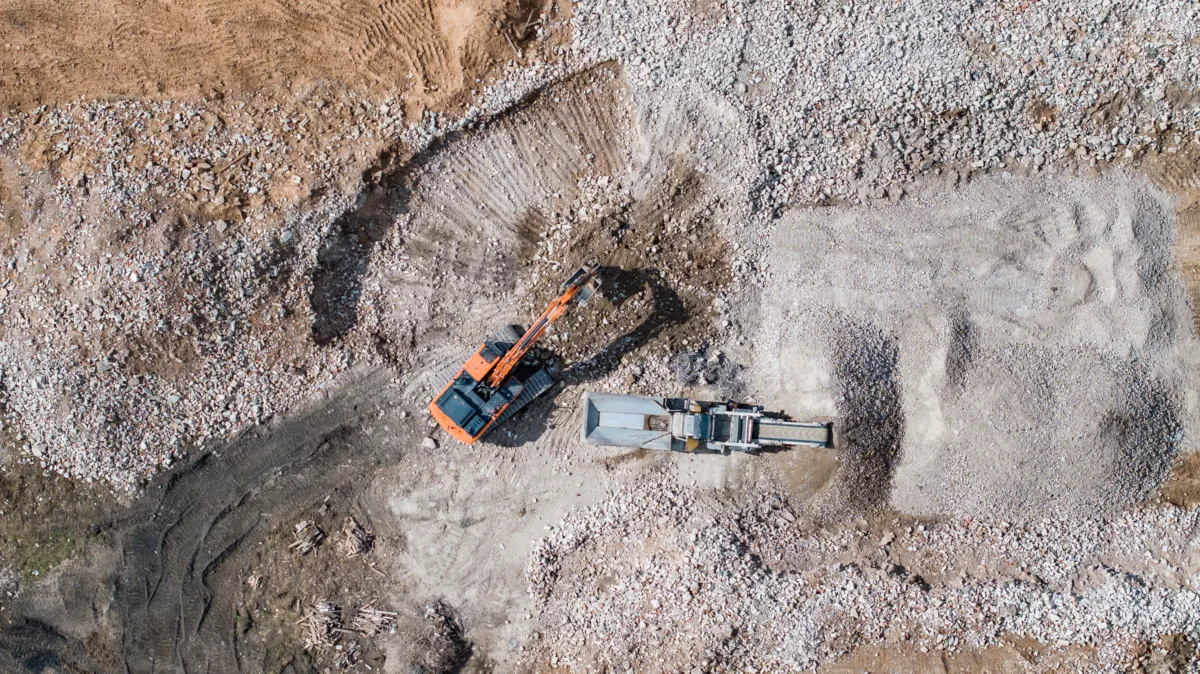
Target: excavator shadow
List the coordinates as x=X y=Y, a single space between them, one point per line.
x=618 y=286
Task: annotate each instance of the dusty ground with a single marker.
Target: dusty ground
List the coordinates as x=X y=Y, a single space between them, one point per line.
x=243 y=246
x=431 y=53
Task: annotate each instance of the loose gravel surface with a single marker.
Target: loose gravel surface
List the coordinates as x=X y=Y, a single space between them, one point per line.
x=660 y=578
x=1016 y=349
x=852 y=100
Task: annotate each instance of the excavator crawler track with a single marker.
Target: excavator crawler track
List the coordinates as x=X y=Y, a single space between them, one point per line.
x=505 y=337
x=539 y=383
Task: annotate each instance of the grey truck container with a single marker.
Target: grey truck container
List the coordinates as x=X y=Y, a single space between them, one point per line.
x=684 y=425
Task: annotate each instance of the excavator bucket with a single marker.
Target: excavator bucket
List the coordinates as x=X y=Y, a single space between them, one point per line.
x=587 y=292
x=589 y=288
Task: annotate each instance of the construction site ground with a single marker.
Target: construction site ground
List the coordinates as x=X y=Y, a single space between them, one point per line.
x=241 y=245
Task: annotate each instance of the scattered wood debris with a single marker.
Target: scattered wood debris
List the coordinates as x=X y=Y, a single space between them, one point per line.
x=349 y=657
x=323 y=618
x=442 y=646
x=355 y=539
x=370 y=621
x=254 y=581
x=308 y=537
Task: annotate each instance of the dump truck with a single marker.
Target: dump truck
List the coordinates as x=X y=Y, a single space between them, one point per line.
x=499 y=378
x=684 y=425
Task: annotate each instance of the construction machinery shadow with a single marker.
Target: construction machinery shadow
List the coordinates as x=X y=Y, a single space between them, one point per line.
x=619 y=285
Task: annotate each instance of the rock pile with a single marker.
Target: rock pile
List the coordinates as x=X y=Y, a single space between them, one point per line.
x=657 y=579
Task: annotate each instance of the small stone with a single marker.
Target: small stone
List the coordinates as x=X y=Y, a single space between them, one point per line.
x=429 y=443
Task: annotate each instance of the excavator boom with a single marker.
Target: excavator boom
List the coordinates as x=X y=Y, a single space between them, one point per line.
x=580 y=282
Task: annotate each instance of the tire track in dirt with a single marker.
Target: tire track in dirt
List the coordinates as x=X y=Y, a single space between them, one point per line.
x=185 y=544
x=182 y=558
x=438 y=243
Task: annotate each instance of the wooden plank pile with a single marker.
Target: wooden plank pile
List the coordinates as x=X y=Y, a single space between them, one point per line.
x=308 y=537
x=369 y=621
x=324 y=619
x=355 y=539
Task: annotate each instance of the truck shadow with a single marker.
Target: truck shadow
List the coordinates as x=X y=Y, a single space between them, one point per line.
x=619 y=285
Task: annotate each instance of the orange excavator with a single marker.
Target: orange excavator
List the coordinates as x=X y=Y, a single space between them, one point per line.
x=498 y=379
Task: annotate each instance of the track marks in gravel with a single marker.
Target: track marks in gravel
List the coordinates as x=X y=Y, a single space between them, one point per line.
x=442 y=233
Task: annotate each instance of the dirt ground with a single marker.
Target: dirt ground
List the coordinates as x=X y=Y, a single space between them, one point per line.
x=433 y=53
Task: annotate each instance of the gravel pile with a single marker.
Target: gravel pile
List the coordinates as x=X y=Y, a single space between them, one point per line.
x=1016 y=349
x=656 y=578
x=158 y=293
x=853 y=101
x=159 y=296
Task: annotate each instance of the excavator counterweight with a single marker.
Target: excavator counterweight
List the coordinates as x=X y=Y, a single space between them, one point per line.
x=497 y=380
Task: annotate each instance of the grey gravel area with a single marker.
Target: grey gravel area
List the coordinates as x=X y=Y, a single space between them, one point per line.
x=1016 y=349
x=133 y=332
x=853 y=100
x=659 y=578
x=160 y=296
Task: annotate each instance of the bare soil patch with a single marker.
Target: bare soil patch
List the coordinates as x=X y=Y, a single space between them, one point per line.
x=431 y=52
x=46 y=518
x=1182 y=487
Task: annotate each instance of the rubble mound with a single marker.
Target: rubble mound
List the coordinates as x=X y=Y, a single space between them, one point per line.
x=1015 y=349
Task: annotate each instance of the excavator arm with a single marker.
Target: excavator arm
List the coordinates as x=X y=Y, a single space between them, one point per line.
x=580 y=286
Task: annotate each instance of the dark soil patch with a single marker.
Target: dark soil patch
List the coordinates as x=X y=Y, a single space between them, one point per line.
x=45 y=518
x=281 y=585
x=663 y=260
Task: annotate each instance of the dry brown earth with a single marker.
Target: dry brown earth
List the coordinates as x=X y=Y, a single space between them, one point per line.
x=433 y=52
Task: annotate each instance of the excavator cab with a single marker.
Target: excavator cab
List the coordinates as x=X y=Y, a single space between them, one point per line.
x=498 y=379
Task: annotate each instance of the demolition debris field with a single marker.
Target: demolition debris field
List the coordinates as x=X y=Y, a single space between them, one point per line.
x=239 y=255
